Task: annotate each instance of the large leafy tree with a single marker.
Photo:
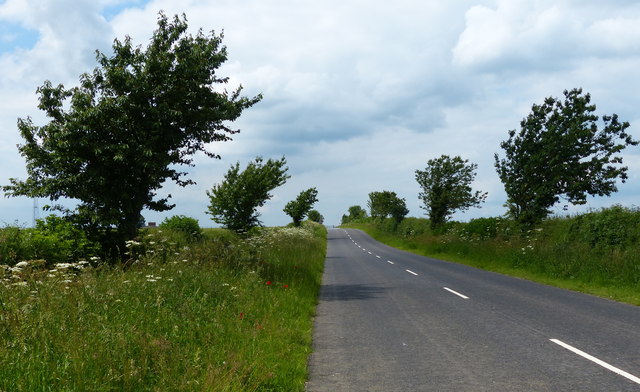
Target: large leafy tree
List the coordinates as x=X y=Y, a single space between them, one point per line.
x=446 y=188
x=234 y=202
x=299 y=208
x=114 y=140
x=561 y=151
x=387 y=204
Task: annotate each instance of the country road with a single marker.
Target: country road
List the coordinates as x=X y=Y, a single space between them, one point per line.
x=393 y=321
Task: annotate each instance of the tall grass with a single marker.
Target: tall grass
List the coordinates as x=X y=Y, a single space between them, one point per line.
x=597 y=252
x=218 y=314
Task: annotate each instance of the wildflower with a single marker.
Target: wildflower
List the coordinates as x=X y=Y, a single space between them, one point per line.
x=241 y=316
x=268 y=283
x=22 y=264
x=20 y=283
x=286 y=286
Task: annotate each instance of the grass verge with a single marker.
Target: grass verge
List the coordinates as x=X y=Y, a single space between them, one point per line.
x=220 y=314
x=541 y=258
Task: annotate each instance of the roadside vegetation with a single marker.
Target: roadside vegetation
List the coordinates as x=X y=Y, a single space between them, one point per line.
x=186 y=311
x=596 y=253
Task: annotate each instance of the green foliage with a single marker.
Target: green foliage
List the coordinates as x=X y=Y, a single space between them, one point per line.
x=387 y=204
x=446 y=188
x=356 y=214
x=224 y=314
x=234 y=202
x=113 y=141
x=297 y=209
x=315 y=216
x=485 y=228
x=613 y=227
x=184 y=224
x=560 y=152
x=54 y=240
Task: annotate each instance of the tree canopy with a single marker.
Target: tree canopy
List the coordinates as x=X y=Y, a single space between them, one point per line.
x=235 y=201
x=356 y=213
x=561 y=152
x=114 y=140
x=446 y=188
x=297 y=209
x=387 y=204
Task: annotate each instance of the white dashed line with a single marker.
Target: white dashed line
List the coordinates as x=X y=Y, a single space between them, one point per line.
x=370 y=253
x=389 y=261
x=598 y=361
x=456 y=293
x=377 y=256
x=411 y=272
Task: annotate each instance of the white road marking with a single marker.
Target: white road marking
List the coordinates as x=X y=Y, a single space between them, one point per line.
x=598 y=361
x=389 y=261
x=456 y=293
x=377 y=256
x=369 y=252
x=411 y=272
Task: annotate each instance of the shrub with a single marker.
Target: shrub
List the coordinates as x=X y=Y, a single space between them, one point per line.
x=484 y=227
x=54 y=239
x=184 y=224
x=615 y=226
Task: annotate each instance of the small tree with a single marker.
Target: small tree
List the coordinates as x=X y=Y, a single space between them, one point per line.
x=387 y=204
x=234 y=202
x=315 y=216
x=560 y=152
x=356 y=213
x=446 y=188
x=297 y=209
x=113 y=141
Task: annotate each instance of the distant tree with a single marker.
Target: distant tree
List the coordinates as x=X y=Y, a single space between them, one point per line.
x=297 y=209
x=446 y=188
x=234 y=202
x=356 y=213
x=315 y=216
x=387 y=204
x=560 y=152
x=112 y=142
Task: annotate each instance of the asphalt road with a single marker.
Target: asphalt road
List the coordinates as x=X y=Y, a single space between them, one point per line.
x=393 y=321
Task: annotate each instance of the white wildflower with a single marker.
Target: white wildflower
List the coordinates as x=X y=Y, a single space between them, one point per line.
x=22 y=264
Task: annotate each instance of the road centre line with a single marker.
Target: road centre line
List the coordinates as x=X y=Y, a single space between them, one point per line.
x=377 y=256
x=370 y=253
x=598 y=361
x=389 y=261
x=456 y=293
x=411 y=272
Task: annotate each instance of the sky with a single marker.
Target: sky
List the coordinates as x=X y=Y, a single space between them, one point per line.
x=358 y=95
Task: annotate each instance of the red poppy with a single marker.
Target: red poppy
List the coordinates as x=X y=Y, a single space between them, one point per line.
x=241 y=316
x=286 y=286
x=268 y=283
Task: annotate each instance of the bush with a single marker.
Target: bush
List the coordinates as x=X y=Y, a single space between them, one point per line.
x=615 y=226
x=184 y=224
x=54 y=239
x=484 y=227
x=411 y=227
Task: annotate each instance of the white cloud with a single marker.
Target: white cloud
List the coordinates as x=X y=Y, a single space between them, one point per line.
x=357 y=95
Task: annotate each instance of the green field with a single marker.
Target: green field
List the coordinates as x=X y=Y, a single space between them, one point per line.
x=221 y=313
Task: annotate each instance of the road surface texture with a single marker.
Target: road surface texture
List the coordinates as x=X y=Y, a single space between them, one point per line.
x=389 y=320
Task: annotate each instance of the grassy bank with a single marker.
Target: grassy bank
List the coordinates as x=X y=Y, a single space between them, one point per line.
x=221 y=313
x=596 y=253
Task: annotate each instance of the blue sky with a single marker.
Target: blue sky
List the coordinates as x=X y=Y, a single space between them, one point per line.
x=357 y=94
